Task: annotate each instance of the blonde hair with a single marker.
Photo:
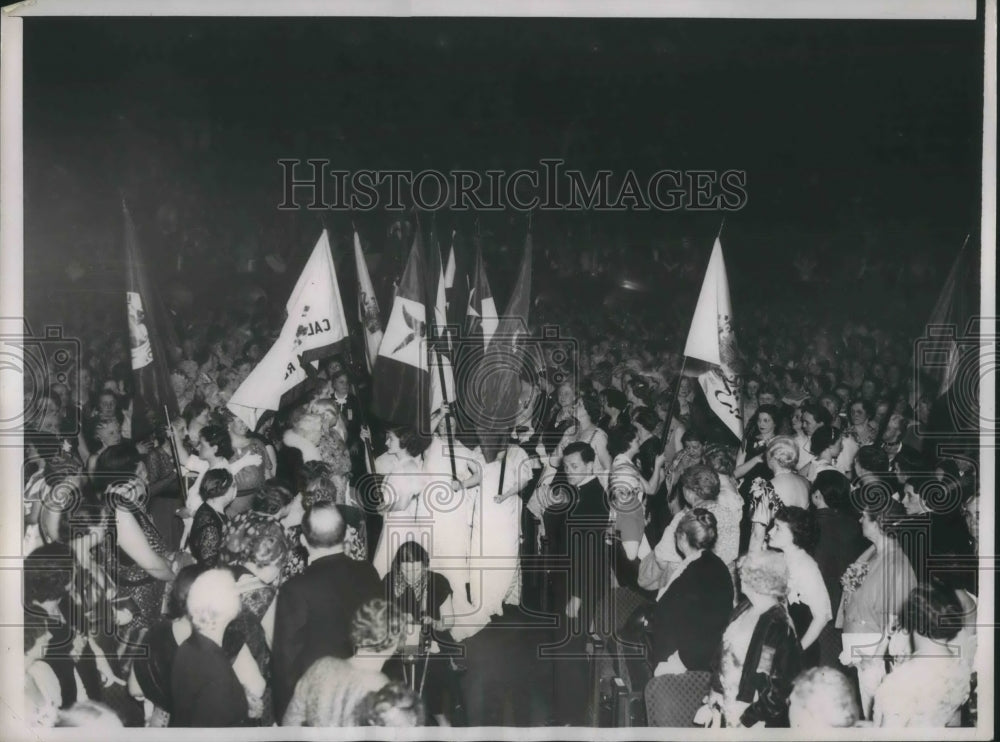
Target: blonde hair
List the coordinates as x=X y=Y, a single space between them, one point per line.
x=765 y=572
x=784 y=452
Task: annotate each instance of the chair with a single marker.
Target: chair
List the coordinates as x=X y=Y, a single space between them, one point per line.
x=672 y=700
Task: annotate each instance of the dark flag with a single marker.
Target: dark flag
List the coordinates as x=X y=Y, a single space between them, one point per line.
x=150 y=338
x=401 y=379
x=481 y=312
x=498 y=383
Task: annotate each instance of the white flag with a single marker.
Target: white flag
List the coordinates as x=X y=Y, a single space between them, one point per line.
x=368 y=312
x=312 y=330
x=711 y=339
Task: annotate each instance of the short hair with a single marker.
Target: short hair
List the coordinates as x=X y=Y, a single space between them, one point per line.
x=88 y=514
x=584 y=449
x=621 y=438
x=410 y=551
x=193 y=408
x=822 y=438
x=323 y=526
x=393 y=705
x=691 y=435
x=834 y=488
x=873 y=459
x=910 y=461
x=823 y=697
x=819 y=413
x=271 y=498
x=375 y=627
x=702 y=481
x=213 y=600
x=933 y=611
x=411 y=440
x=783 y=451
x=218 y=436
x=721 y=459
x=117 y=463
x=616 y=399
x=802 y=525
x=699 y=527
x=765 y=572
x=215 y=483
x=47 y=572
x=869 y=408
x=888 y=514
x=646 y=418
x=89 y=714
x=592 y=406
x=833 y=398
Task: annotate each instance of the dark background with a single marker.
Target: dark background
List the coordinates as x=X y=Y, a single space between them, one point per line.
x=862 y=143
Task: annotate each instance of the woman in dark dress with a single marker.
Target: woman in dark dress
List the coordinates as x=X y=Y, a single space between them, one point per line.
x=423 y=600
x=217 y=491
x=751 y=462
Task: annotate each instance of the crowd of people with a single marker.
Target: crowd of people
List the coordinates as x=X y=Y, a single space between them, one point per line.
x=321 y=570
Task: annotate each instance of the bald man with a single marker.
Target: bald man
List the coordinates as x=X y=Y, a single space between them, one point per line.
x=314 y=609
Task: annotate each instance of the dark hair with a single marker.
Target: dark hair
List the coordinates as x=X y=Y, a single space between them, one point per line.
x=753 y=429
x=646 y=418
x=218 y=436
x=873 y=459
x=888 y=514
x=47 y=572
x=177 y=602
x=702 y=480
x=87 y=515
x=933 y=611
x=621 y=438
x=117 y=463
x=215 y=483
x=327 y=537
x=584 y=449
x=690 y=435
x=194 y=408
x=410 y=551
x=592 y=406
x=835 y=490
x=822 y=438
x=819 y=413
x=411 y=440
x=802 y=524
x=868 y=407
x=699 y=527
x=373 y=710
x=271 y=498
x=910 y=461
x=90 y=426
x=616 y=399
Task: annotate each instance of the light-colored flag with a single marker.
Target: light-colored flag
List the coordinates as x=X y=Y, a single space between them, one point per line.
x=368 y=313
x=314 y=329
x=712 y=339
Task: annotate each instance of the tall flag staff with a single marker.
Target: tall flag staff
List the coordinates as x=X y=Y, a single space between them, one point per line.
x=438 y=350
x=371 y=326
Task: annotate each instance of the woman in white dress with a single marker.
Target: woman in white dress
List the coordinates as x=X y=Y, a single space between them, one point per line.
x=424 y=503
x=496 y=537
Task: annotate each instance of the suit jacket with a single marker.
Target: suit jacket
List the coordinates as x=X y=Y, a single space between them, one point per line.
x=693 y=613
x=204 y=688
x=313 y=617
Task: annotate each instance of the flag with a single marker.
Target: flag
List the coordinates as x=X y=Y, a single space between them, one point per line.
x=496 y=387
x=368 y=314
x=711 y=339
x=150 y=337
x=948 y=321
x=401 y=376
x=442 y=376
x=481 y=313
x=314 y=329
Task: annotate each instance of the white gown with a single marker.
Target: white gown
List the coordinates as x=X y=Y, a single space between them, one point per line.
x=496 y=534
x=436 y=517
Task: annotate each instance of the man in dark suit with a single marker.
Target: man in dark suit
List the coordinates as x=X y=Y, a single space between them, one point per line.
x=314 y=609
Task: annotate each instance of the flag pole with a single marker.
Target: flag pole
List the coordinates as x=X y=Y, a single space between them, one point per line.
x=173 y=450
x=673 y=402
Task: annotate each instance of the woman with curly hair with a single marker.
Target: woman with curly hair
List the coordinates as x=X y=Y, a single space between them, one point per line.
x=794 y=533
x=394 y=705
x=760 y=655
x=331 y=689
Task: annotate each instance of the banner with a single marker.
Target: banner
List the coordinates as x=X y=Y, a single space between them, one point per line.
x=368 y=313
x=314 y=329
